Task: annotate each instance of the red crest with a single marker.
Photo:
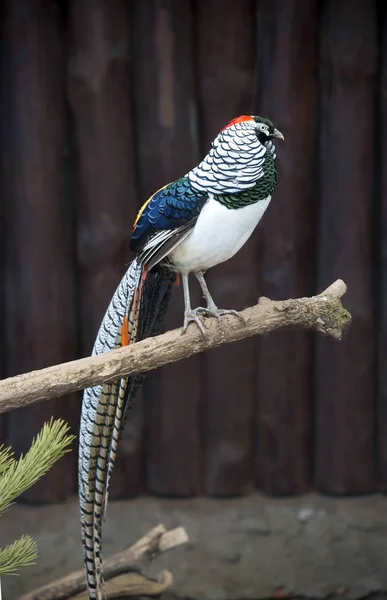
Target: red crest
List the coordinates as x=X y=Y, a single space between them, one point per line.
x=240 y=119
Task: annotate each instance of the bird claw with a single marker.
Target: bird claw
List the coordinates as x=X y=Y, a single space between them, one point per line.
x=224 y=311
x=206 y=312
x=192 y=317
x=214 y=311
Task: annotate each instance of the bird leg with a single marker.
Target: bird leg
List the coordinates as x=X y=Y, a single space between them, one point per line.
x=211 y=308
x=191 y=316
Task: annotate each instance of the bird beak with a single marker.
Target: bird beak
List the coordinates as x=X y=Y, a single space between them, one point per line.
x=278 y=134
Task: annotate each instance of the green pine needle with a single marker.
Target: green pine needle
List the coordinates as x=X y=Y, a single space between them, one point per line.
x=6 y=458
x=49 y=445
x=22 y=553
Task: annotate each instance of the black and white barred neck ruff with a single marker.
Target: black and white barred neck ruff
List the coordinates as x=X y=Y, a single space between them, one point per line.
x=234 y=163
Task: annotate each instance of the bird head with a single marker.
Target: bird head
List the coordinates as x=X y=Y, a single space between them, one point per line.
x=264 y=129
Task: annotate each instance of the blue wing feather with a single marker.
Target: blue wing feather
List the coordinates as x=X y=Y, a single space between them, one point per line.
x=171 y=207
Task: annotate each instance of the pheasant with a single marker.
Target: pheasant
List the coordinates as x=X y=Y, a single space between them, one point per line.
x=188 y=226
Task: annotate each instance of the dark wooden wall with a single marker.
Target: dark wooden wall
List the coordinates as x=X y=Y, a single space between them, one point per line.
x=104 y=101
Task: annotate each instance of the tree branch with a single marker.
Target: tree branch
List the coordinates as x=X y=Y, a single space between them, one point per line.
x=123 y=572
x=323 y=313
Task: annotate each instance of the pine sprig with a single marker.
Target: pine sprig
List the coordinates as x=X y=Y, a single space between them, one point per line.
x=6 y=458
x=21 y=553
x=49 y=445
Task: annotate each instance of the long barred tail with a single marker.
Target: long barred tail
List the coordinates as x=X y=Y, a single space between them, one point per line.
x=136 y=311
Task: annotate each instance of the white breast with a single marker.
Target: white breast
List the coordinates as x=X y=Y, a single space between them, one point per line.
x=218 y=234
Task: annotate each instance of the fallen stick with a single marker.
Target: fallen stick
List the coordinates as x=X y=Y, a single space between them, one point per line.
x=133 y=584
x=323 y=313
x=122 y=571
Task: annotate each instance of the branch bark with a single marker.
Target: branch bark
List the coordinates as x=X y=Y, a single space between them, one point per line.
x=323 y=313
x=122 y=572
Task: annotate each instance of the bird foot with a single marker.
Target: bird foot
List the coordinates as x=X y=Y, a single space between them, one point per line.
x=219 y=312
x=192 y=317
x=213 y=311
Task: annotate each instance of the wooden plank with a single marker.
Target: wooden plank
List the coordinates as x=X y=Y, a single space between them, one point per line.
x=100 y=96
x=39 y=286
x=344 y=372
x=165 y=121
x=226 y=85
x=382 y=274
x=287 y=95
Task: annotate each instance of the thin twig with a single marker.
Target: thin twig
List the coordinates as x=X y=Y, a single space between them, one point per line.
x=323 y=313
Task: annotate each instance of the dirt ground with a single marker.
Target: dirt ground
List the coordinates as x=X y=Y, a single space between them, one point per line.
x=239 y=549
